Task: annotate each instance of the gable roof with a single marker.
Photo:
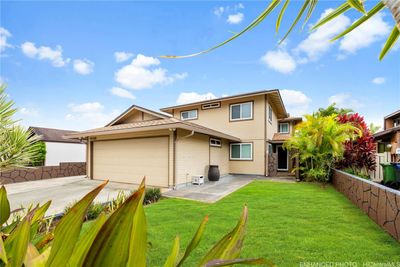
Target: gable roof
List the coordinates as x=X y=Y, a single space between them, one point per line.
x=53 y=135
x=150 y=125
x=142 y=109
x=392 y=115
x=276 y=100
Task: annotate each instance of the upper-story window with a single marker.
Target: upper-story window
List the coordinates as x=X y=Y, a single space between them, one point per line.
x=284 y=127
x=189 y=115
x=269 y=113
x=241 y=111
x=396 y=122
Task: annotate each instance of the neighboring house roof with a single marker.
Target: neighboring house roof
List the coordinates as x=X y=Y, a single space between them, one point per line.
x=276 y=99
x=280 y=137
x=290 y=119
x=394 y=114
x=53 y=135
x=142 y=109
x=386 y=133
x=150 y=125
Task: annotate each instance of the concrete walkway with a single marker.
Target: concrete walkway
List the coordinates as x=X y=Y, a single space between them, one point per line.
x=211 y=192
x=62 y=192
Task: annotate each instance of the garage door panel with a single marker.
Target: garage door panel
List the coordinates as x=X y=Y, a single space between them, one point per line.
x=129 y=160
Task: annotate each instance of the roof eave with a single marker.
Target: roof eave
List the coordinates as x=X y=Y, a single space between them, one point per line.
x=263 y=92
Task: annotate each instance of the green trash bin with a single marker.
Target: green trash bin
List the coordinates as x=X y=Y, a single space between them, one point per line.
x=389 y=174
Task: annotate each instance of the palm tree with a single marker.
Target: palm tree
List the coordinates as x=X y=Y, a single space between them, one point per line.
x=319 y=144
x=308 y=8
x=18 y=147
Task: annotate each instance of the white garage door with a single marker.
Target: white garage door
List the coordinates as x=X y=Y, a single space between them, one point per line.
x=129 y=160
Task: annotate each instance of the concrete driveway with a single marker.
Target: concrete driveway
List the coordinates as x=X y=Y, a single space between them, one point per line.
x=211 y=192
x=62 y=191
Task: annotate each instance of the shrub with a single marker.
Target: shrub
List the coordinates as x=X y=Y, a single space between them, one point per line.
x=319 y=143
x=93 y=211
x=117 y=240
x=152 y=195
x=359 y=154
x=41 y=154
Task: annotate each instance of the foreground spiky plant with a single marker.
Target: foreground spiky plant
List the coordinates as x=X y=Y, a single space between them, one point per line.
x=308 y=8
x=117 y=240
x=18 y=147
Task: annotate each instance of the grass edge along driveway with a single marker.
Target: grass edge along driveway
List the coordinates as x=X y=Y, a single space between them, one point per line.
x=288 y=224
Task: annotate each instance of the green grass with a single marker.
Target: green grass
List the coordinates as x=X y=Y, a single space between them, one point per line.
x=288 y=224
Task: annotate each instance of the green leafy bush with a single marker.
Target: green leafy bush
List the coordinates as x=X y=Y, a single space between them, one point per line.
x=319 y=142
x=117 y=240
x=41 y=154
x=93 y=211
x=152 y=195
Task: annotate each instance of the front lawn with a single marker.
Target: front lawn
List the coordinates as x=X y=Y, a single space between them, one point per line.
x=288 y=223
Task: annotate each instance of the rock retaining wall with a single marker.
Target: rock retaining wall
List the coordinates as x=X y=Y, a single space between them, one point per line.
x=381 y=203
x=43 y=172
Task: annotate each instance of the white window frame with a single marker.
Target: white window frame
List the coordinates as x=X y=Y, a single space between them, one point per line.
x=270 y=117
x=251 y=151
x=195 y=118
x=279 y=127
x=241 y=118
x=215 y=142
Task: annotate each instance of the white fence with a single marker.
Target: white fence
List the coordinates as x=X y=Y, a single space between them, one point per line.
x=377 y=175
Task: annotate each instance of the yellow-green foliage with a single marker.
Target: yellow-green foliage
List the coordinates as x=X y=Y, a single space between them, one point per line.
x=117 y=240
x=319 y=143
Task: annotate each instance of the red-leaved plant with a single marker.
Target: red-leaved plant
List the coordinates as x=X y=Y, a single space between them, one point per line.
x=359 y=154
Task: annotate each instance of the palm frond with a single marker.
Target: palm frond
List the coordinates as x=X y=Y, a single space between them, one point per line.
x=361 y=20
x=394 y=36
x=279 y=19
x=296 y=20
x=253 y=24
x=338 y=11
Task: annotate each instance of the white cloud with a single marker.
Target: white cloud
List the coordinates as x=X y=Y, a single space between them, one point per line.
x=235 y=18
x=28 y=111
x=318 y=42
x=89 y=115
x=378 y=80
x=83 y=66
x=86 y=107
x=4 y=35
x=374 y=29
x=296 y=102
x=280 y=61
x=142 y=74
x=122 y=56
x=55 y=55
x=191 y=97
x=218 y=11
x=120 y=92
x=345 y=100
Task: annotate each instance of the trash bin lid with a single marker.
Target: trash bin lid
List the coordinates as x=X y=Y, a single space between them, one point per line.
x=385 y=164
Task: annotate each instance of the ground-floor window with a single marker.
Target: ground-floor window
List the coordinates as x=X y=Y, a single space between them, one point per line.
x=241 y=151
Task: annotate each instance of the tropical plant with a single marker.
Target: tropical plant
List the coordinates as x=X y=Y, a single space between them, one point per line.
x=359 y=154
x=117 y=240
x=41 y=154
x=307 y=10
x=18 y=147
x=319 y=144
x=373 y=128
x=333 y=110
x=152 y=195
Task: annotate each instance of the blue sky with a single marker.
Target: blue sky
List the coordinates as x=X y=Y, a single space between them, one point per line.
x=60 y=64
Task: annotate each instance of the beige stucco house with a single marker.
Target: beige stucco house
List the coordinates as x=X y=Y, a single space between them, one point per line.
x=242 y=134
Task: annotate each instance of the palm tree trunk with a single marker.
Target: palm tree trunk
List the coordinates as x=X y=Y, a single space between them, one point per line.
x=394 y=7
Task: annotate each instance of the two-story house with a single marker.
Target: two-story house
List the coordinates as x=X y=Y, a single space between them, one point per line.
x=388 y=140
x=242 y=134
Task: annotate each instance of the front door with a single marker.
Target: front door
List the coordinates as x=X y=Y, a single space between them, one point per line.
x=282 y=158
